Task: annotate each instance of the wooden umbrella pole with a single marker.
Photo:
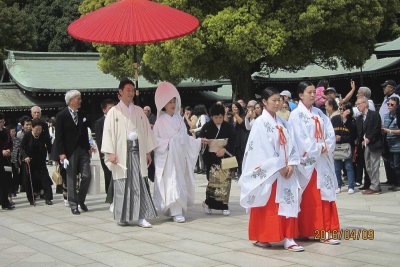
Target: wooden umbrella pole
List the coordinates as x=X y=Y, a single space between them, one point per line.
x=135 y=67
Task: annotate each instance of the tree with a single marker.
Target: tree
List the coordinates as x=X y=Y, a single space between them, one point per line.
x=390 y=29
x=237 y=38
x=16 y=31
x=51 y=19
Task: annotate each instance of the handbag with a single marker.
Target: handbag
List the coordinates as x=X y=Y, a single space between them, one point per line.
x=229 y=163
x=56 y=176
x=342 y=151
x=7 y=165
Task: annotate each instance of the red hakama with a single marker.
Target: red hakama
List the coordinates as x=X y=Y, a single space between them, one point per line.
x=266 y=225
x=316 y=214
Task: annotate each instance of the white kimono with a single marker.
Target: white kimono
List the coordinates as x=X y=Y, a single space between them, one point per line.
x=263 y=159
x=175 y=157
x=303 y=122
x=120 y=121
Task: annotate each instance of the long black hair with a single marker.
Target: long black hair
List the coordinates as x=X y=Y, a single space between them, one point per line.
x=268 y=92
x=240 y=108
x=301 y=87
x=200 y=110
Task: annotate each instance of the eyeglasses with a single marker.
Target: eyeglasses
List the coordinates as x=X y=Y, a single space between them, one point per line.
x=390 y=104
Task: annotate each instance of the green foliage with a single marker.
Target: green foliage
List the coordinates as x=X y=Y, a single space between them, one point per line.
x=390 y=29
x=51 y=19
x=16 y=31
x=237 y=38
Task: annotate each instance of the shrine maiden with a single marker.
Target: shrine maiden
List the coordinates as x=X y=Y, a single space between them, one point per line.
x=269 y=184
x=175 y=156
x=315 y=139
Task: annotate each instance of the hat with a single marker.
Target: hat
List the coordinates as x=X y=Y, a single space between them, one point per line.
x=286 y=93
x=164 y=93
x=389 y=82
x=330 y=89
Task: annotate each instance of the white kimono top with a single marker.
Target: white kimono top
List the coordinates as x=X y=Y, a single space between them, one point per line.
x=312 y=131
x=175 y=156
x=119 y=123
x=270 y=147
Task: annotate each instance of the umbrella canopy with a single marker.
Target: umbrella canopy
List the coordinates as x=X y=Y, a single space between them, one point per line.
x=133 y=22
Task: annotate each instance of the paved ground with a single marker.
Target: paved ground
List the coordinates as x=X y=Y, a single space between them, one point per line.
x=52 y=236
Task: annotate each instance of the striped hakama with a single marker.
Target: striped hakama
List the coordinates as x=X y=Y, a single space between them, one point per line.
x=132 y=199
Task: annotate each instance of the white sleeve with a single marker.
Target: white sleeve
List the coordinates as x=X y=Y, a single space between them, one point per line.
x=248 y=124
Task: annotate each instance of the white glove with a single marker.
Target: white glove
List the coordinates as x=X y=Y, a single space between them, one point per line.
x=65 y=163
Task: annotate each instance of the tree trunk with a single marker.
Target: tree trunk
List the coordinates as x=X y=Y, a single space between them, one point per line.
x=242 y=85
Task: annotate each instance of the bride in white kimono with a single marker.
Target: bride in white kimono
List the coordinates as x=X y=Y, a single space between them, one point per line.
x=269 y=184
x=315 y=139
x=175 y=156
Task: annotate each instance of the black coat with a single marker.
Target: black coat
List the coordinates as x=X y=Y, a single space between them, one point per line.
x=70 y=136
x=45 y=136
x=371 y=128
x=347 y=131
x=209 y=131
x=5 y=144
x=3 y=141
x=98 y=129
x=35 y=149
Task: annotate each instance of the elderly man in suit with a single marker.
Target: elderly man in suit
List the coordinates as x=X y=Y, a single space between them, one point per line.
x=370 y=137
x=106 y=105
x=73 y=148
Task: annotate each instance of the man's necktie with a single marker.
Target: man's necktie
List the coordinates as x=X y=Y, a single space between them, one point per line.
x=75 y=117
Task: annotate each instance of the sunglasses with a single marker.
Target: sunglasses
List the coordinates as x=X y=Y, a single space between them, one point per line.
x=390 y=104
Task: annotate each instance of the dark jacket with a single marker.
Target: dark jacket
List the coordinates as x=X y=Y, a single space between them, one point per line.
x=209 y=131
x=347 y=131
x=371 y=128
x=3 y=141
x=45 y=136
x=5 y=144
x=98 y=129
x=70 y=136
x=34 y=149
x=241 y=135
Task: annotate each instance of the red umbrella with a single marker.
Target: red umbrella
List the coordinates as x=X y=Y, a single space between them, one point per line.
x=133 y=22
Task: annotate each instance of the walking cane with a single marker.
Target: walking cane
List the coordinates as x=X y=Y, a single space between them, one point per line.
x=28 y=169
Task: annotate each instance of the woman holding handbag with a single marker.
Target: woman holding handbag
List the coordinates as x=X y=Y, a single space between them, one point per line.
x=219 y=178
x=346 y=134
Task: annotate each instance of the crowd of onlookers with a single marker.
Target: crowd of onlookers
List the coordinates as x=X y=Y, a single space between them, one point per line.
x=364 y=136
x=25 y=147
